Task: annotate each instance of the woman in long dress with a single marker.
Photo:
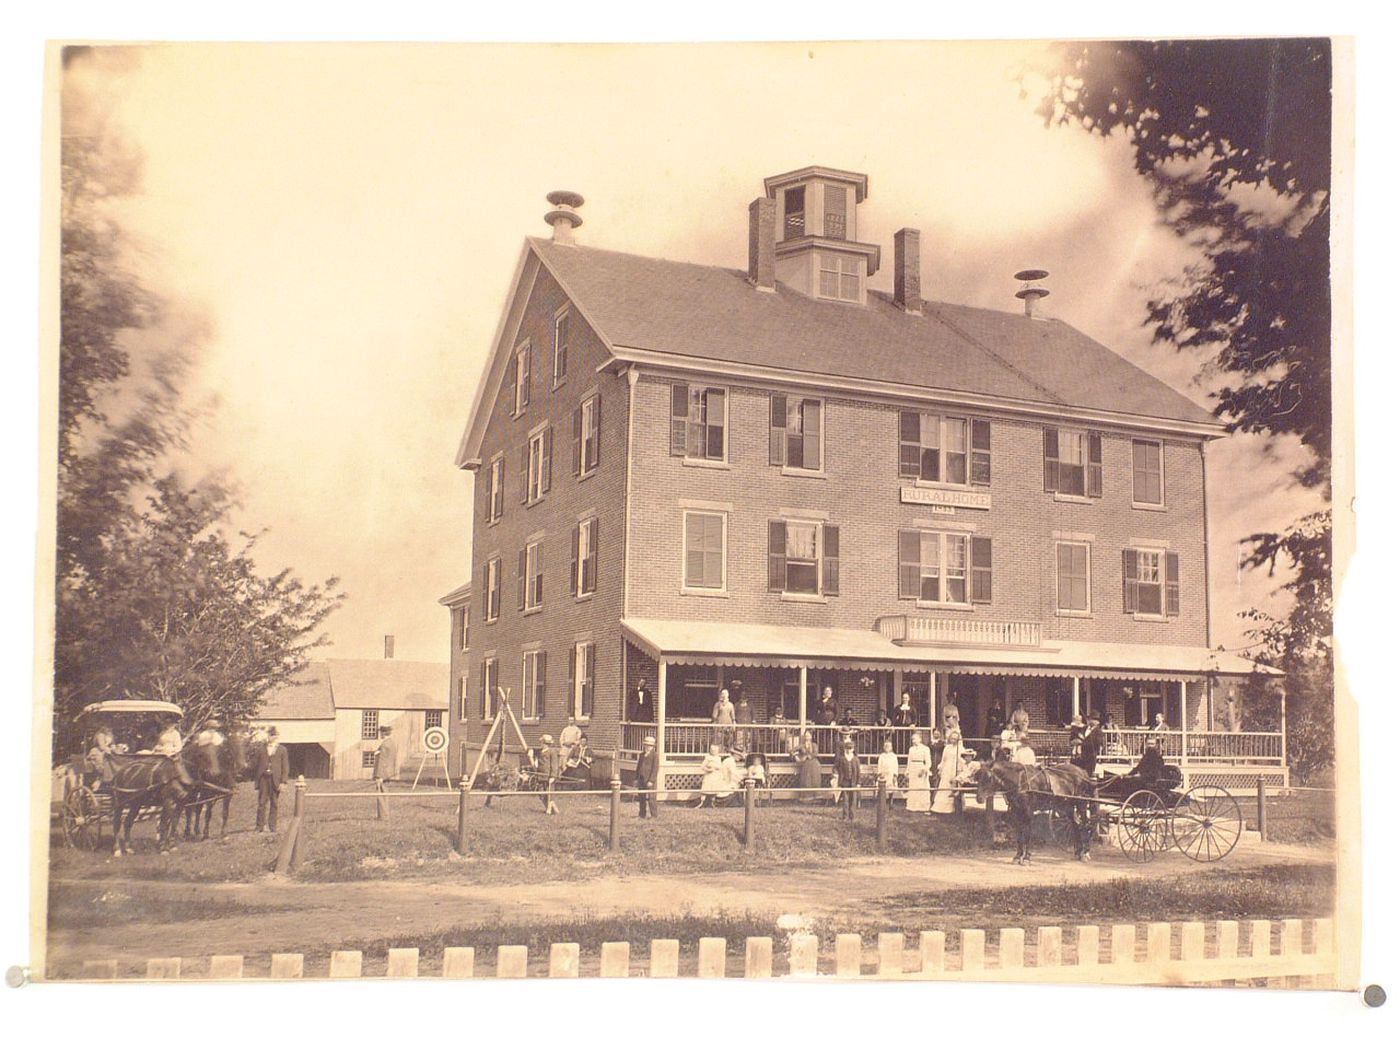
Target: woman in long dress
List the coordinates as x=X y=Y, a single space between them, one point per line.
x=809 y=769
x=950 y=764
x=916 y=800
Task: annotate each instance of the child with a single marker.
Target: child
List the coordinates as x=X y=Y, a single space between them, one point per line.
x=887 y=770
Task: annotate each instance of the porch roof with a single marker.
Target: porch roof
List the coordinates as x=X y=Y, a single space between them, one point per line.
x=769 y=645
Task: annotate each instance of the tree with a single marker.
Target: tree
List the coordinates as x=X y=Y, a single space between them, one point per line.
x=153 y=600
x=1234 y=137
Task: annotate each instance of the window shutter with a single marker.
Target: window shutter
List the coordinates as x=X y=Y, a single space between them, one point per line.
x=489 y=500
x=831 y=559
x=1052 y=459
x=539 y=574
x=1173 y=605
x=525 y=471
x=908 y=558
x=547 y=459
x=520 y=603
x=1130 y=596
x=540 y=664
x=981 y=569
x=777 y=430
x=1094 y=471
x=510 y=382
x=811 y=435
x=525 y=375
x=484 y=712
x=777 y=555
x=981 y=473
x=570 y=705
x=500 y=500
x=576 y=462
x=597 y=431
x=680 y=410
x=591 y=574
x=714 y=424
x=909 y=445
x=486 y=592
x=573 y=562
x=586 y=674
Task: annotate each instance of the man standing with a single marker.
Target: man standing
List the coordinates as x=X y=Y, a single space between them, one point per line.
x=269 y=774
x=1090 y=745
x=648 y=764
x=847 y=772
x=641 y=704
x=905 y=715
x=386 y=766
x=549 y=772
x=826 y=709
x=743 y=713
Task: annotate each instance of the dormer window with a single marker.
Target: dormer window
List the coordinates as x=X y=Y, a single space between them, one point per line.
x=838 y=277
x=794 y=212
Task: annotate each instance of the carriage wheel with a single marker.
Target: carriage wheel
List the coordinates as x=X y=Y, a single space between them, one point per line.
x=1207 y=823
x=1142 y=826
x=1057 y=828
x=82 y=818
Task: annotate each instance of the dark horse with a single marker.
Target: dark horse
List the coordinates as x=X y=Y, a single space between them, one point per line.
x=1061 y=788
x=139 y=781
x=217 y=770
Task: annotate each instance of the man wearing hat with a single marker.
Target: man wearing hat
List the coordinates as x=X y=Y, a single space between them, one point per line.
x=1087 y=755
x=211 y=735
x=269 y=774
x=169 y=741
x=549 y=771
x=648 y=765
x=847 y=774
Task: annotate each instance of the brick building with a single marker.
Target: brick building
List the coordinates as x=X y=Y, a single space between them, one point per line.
x=781 y=480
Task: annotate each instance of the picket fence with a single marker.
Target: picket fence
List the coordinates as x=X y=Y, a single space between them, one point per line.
x=1149 y=959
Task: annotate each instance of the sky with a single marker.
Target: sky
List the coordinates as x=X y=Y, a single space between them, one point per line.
x=345 y=219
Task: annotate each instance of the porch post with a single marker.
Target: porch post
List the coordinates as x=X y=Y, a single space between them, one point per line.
x=1074 y=696
x=935 y=700
x=1283 y=729
x=1183 y=721
x=661 y=723
x=801 y=701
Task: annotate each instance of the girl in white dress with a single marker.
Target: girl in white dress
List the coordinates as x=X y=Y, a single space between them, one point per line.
x=887 y=769
x=920 y=764
x=950 y=764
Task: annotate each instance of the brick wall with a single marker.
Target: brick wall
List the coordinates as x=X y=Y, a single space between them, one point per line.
x=860 y=493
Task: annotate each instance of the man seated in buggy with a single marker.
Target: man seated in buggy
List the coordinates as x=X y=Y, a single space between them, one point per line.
x=1151 y=773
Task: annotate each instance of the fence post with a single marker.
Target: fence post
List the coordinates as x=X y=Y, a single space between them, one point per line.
x=615 y=811
x=1263 y=813
x=882 y=836
x=748 y=811
x=289 y=856
x=462 y=816
x=299 y=798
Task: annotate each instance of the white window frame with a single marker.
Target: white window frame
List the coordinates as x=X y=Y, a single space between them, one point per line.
x=587 y=528
x=1161 y=500
x=367 y=759
x=588 y=408
x=369 y=724
x=943 y=575
x=1144 y=556
x=535 y=487
x=562 y=315
x=531 y=704
x=820 y=527
x=464 y=697
x=691 y=588
x=534 y=583
x=799 y=400
x=428 y=717
x=695 y=403
x=521 y=393
x=1088 y=609
x=579 y=663
x=495 y=490
x=491 y=681
x=493 y=589
x=944 y=451
x=841 y=260
x=464 y=627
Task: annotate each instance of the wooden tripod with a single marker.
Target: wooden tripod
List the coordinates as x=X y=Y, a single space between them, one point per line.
x=503 y=712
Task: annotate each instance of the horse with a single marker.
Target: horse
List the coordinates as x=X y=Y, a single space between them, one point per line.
x=147 y=780
x=1067 y=789
x=217 y=768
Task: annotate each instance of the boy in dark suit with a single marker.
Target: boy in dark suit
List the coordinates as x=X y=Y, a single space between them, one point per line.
x=647 y=765
x=847 y=770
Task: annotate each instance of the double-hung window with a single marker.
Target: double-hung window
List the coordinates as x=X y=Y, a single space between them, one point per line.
x=463 y=692
x=1073 y=462
x=804 y=558
x=935 y=448
x=944 y=568
x=465 y=625
x=586 y=431
x=537 y=465
x=699 y=417
x=531 y=591
x=1072 y=578
x=704 y=545
x=795 y=432
x=561 y=346
x=838 y=276
x=583 y=559
x=581 y=671
x=532 y=684
x=1148 y=488
x=1151 y=582
x=520 y=378
x=495 y=489
x=491 y=596
x=369 y=725
x=432 y=719
x=490 y=678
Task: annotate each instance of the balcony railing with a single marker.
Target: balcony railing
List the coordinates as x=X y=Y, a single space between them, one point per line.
x=936 y=630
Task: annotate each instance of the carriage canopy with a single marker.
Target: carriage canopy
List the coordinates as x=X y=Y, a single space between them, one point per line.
x=131 y=707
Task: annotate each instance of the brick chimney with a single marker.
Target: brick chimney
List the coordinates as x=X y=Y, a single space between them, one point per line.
x=907 y=293
x=762 y=243
x=388 y=647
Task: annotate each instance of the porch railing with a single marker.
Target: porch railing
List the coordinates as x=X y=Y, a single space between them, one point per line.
x=936 y=630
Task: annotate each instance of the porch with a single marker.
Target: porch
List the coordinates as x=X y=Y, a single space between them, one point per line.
x=776 y=677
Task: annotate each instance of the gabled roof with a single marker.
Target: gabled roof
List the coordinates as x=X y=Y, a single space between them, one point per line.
x=457 y=596
x=693 y=316
x=389 y=685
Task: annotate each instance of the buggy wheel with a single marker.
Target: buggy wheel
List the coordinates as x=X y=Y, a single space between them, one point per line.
x=82 y=818
x=1054 y=828
x=1207 y=823
x=1142 y=826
